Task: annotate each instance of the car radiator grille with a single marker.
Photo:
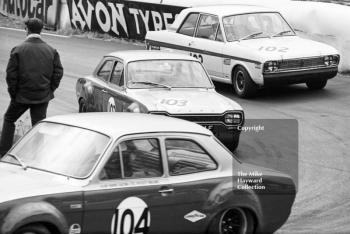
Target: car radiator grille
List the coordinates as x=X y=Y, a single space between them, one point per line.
x=301 y=63
x=208 y=119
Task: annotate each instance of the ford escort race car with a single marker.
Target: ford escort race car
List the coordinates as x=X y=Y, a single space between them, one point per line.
x=247 y=46
x=135 y=173
x=160 y=83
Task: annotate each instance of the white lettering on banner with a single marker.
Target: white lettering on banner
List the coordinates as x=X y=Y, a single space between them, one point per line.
x=118 y=16
x=76 y=17
x=157 y=21
x=167 y=16
x=101 y=8
x=86 y=14
x=135 y=12
x=145 y=19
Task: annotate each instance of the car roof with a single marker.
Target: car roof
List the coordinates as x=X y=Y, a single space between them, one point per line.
x=135 y=55
x=231 y=9
x=119 y=124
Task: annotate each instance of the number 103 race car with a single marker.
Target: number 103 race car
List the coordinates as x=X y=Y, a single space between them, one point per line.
x=160 y=83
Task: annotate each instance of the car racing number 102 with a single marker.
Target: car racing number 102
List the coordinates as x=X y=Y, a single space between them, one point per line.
x=131 y=216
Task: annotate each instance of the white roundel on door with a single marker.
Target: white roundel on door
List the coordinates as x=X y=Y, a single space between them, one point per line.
x=111 y=105
x=132 y=216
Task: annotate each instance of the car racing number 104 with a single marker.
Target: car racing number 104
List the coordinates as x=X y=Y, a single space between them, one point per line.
x=131 y=216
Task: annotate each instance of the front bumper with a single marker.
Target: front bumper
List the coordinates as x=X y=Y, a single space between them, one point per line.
x=299 y=76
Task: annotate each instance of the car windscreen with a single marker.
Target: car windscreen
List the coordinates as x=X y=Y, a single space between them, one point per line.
x=255 y=25
x=167 y=73
x=60 y=149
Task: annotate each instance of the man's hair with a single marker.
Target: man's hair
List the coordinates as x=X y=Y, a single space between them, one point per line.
x=34 y=25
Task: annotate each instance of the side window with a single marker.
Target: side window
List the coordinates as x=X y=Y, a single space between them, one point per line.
x=139 y=158
x=105 y=70
x=208 y=25
x=117 y=74
x=112 y=169
x=189 y=25
x=219 y=36
x=185 y=156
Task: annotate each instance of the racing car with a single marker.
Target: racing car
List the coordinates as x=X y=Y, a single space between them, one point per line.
x=247 y=46
x=164 y=84
x=135 y=173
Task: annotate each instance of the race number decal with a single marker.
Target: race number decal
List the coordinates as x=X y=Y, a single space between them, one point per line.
x=132 y=216
x=274 y=48
x=197 y=56
x=174 y=102
x=111 y=105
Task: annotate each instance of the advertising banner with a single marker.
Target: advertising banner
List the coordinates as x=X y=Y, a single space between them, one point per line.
x=123 y=19
x=46 y=10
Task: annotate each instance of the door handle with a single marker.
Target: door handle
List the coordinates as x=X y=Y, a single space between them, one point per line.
x=191 y=43
x=166 y=190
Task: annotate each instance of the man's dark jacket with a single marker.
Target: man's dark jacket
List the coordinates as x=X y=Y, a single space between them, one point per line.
x=34 y=72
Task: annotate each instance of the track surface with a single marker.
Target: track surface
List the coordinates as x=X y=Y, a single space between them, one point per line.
x=322 y=204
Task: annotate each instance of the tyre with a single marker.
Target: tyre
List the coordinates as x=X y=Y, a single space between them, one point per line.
x=316 y=84
x=82 y=106
x=232 y=221
x=33 y=229
x=243 y=84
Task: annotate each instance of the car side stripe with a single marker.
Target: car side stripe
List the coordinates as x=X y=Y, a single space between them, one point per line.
x=185 y=48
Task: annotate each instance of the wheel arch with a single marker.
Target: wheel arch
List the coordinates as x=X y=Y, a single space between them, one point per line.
x=35 y=213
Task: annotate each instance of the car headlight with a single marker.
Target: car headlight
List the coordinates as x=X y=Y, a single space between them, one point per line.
x=271 y=66
x=233 y=118
x=331 y=60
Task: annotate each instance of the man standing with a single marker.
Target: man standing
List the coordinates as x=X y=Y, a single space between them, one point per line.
x=33 y=73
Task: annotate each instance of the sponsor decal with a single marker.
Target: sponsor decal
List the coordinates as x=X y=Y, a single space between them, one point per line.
x=75 y=229
x=195 y=216
x=46 y=10
x=119 y=18
x=131 y=216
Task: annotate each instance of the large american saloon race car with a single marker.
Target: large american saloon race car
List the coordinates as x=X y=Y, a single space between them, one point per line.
x=247 y=46
x=134 y=173
x=160 y=83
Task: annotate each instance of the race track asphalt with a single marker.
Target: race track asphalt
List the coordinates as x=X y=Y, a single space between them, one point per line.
x=322 y=204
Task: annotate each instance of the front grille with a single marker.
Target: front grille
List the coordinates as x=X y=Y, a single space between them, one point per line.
x=290 y=64
x=202 y=118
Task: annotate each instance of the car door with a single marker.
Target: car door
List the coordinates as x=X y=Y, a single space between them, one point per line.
x=132 y=193
x=99 y=85
x=181 y=40
x=207 y=45
x=192 y=172
x=116 y=99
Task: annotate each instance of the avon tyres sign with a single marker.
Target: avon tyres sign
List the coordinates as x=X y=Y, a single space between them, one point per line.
x=124 y=19
x=46 y=10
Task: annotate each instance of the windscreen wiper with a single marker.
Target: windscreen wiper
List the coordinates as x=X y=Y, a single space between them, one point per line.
x=151 y=83
x=281 y=33
x=250 y=36
x=21 y=163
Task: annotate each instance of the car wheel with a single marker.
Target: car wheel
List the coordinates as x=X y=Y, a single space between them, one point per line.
x=33 y=229
x=243 y=84
x=82 y=106
x=233 y=221
x=318 y=84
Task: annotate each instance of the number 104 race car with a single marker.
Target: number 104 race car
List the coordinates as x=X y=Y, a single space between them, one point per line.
x=122 y=173
x=160 y=83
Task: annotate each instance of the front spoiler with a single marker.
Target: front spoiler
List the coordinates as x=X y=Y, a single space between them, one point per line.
x=295 y=77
